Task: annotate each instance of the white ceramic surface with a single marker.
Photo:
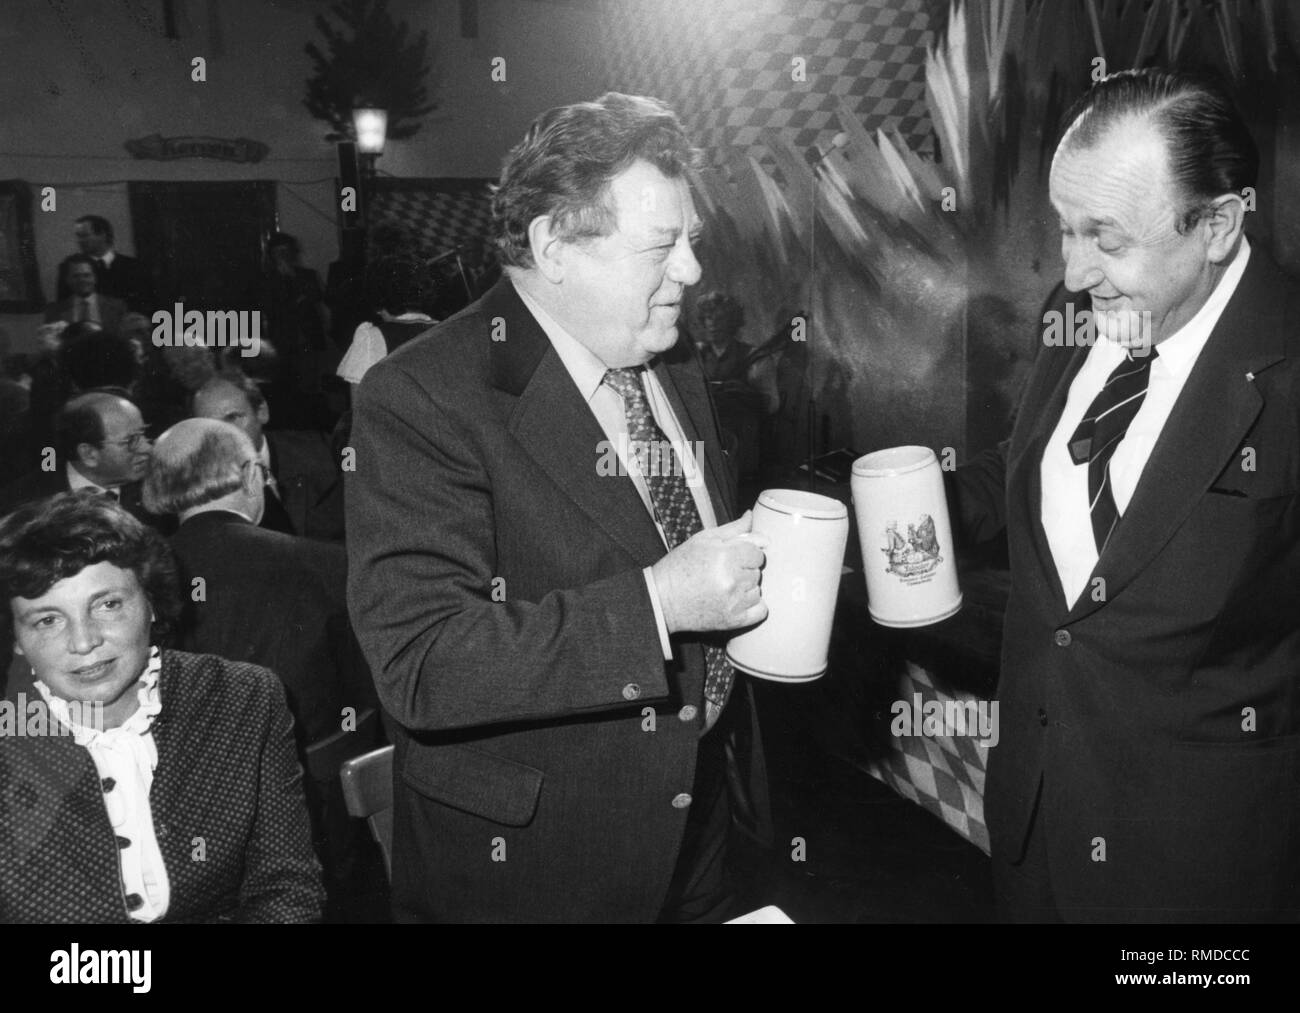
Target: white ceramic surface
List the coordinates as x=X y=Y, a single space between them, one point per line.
x=800 y=583
x=907 y=553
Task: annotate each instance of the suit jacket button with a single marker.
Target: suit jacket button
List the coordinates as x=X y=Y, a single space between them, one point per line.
x=1042 y=717
x=134 y=902
x=631 y=691
x=1062 y=638
x=687 y=713
x=681 y=801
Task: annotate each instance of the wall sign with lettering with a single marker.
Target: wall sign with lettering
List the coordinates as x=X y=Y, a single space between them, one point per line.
x=166 y=149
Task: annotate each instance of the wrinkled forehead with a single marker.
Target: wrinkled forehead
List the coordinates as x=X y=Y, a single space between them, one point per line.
x=648 y=202
x=224 y=399
x=121 y=416
x=1123 y=174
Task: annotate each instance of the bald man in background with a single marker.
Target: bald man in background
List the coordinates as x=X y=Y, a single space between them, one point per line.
x=275 y=600
x=304 y=482
x=269 y=598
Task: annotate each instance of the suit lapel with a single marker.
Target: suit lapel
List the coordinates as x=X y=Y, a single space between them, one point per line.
x=686 y=392
x=556 y=427
x=1212 y=416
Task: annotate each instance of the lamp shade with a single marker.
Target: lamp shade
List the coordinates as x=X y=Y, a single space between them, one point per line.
x=372 y=128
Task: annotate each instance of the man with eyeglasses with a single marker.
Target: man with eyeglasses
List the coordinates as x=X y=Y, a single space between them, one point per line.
x=100 y=446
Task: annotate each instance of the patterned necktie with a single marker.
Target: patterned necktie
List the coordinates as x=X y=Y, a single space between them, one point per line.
x=674 y=507
x=1099 y=434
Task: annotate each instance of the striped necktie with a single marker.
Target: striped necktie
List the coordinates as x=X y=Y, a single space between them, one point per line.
x=674 y=507
x=1099 y=434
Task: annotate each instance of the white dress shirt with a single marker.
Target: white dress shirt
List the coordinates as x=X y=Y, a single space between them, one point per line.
x=588 y=373
x=1066 y=518
x=125 y=758
x=91 y=313
x=76 y=480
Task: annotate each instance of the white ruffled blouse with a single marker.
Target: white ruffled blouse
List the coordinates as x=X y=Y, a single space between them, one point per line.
x=126 y=757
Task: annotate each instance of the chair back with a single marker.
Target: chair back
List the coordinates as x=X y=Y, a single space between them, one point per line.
x=368 y=793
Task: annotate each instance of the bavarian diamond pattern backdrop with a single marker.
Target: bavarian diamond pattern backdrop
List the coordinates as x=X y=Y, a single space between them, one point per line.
x=726 y=66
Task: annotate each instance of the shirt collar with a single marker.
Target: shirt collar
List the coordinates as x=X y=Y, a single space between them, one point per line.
x=76 y=480
x=1180 y=350
x=107 y=257
x=149 y=703
x=584 y=366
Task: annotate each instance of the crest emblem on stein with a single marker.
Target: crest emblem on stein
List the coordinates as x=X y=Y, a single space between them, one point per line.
x=915 y=555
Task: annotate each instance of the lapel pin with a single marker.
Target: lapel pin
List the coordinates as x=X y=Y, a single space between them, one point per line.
x=1250 y=377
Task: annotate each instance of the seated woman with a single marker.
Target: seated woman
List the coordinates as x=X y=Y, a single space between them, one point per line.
x=146 y=785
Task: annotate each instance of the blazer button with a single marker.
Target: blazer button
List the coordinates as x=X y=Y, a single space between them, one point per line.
x=687 y=713
x=631 y=691
x=134 y=902
x=1062 y=638
x=1042 y=717
x=681 y=801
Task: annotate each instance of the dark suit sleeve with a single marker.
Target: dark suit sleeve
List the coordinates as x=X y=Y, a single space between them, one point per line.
x=282 y=881
x=977 y=497
x=422 y=561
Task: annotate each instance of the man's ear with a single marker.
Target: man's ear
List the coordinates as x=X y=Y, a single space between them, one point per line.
x=87 y=455
x=263 y=413
x=1224 y=223
x=547 y=248
x=250 y=477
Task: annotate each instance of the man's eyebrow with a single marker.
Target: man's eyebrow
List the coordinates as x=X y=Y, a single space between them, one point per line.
x=671 y=232
x=1091 y=224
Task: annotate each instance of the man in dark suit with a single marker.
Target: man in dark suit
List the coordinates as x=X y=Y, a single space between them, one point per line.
x=116 y=274
x=1149 y=758
x=269 y=598
x=101 y=446
x=84 y=302
x=540 y=622
x=304 y=484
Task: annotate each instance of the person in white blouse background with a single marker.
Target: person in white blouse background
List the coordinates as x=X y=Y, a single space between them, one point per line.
x=137 y=783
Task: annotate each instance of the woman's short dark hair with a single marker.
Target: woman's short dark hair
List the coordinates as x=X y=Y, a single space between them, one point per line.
x=52 y=539
x=400 y=283
x=68 y=262
x=1211 y=152
x=99 y=225
x=564 y=165
x=97 y=358
x=724 y=306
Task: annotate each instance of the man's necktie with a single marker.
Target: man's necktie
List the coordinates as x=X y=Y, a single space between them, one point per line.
x=83 y=311
x=674 y=506
x=1099 y=434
